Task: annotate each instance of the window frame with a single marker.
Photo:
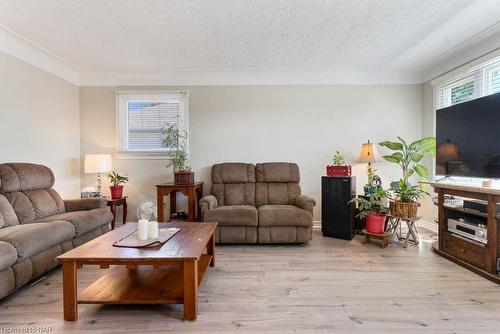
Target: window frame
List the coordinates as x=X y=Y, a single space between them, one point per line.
x=122 y=97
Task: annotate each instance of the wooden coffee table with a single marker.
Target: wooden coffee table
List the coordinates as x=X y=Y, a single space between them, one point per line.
x=169 y=274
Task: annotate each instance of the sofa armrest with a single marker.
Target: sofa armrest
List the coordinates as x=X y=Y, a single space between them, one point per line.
x=85 y=204
x=305 y=202
x=207 y=203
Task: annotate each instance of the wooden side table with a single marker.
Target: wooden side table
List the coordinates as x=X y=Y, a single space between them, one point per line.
x=194 y=192
x=113 y=203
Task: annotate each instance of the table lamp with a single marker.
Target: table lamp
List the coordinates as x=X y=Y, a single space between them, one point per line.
x=368 y=153
x=98 y=163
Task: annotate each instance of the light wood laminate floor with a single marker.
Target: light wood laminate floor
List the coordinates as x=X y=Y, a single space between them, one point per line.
x=327 y=286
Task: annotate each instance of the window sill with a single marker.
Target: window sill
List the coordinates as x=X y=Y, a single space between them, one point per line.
x=141 y=156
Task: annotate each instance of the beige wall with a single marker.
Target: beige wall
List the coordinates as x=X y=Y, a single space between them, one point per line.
x=39 y=121
x=303 y=124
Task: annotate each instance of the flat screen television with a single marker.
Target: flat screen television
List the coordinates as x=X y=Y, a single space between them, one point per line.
x=468 y=138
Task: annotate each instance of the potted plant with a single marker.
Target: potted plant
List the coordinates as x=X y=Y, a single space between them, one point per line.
x=374 y=181
x=373 y=209
x=175 y=141
x=339 y=167
x=408 y=157
x=117 y=180
x=405 y=203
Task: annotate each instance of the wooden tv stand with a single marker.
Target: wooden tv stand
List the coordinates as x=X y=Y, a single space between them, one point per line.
x=479 y=258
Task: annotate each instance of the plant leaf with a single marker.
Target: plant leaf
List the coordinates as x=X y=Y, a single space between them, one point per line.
x=395 y=146
x=421 y=170
x=416 y=157
x=396 y=157
x=425 y=146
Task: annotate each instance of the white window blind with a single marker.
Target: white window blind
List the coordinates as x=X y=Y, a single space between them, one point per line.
x=142 y=116
x=480 y=80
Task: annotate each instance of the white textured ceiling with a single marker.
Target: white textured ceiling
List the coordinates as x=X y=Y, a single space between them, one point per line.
x=148 y=36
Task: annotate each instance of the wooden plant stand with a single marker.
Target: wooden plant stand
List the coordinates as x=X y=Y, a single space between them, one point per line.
x=379 y=236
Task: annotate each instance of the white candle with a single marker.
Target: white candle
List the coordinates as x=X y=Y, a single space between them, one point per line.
x=153 y=230
x=142 y=229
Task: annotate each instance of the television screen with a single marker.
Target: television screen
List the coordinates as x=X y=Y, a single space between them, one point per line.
x=468 y=138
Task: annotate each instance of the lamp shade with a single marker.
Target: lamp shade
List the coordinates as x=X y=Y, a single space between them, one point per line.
x=98 y=163
x=368 y=153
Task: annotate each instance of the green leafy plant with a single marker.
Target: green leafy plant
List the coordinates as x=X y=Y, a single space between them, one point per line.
x=372 y=204
x=338 y=159
x=408 y=156
x=175 y=140
x=407 y=193
x=374 y=180
x=117 y=179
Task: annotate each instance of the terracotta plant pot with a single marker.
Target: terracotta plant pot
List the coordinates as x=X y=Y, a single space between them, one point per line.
x=116 y=192
x=403 y=209
x=184 y=178
x=375 y=223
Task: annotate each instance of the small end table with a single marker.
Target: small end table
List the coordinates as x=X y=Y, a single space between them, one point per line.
x=194 y=192
x=113 y=203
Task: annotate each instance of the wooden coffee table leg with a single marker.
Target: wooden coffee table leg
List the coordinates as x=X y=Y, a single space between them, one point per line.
x=211 y=249
x=190 y=289
x=70 y=290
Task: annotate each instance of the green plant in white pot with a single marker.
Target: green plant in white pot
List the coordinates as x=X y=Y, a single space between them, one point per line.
x=408 y=157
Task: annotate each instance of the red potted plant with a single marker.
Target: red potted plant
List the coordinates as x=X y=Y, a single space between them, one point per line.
x=117 y=188
x=339 y=167
x=374 y=210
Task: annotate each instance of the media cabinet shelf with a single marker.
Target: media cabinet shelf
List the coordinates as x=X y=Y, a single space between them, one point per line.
x=469 y=211
x=481 y=259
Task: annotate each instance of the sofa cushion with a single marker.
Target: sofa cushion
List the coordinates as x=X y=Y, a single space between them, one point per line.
x=8 y=213
x=84 y=221
x=233 y=215
x=30 y=239
x=281 y=172
x=233 y=172
x=8 y=255
x=25 y=176
x=233 y=183
x=284 y=215
x=276 y=193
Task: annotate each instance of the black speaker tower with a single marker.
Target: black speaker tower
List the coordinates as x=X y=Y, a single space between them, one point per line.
x=336 y=211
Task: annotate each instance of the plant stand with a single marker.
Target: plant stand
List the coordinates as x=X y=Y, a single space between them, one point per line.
x=394 y=229
x=380 y=236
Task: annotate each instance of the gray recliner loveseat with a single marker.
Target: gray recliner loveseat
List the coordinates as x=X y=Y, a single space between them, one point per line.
x=258 y=204
x=36 y=225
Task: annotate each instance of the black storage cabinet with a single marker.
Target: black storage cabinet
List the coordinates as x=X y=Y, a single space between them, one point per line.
x=336 y=212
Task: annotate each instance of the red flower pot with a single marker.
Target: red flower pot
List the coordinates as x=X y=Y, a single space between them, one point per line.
x=116 y=192
x=375 y=223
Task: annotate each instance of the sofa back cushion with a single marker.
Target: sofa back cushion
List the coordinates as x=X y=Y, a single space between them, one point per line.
x=277 y=183
x=28 y=188
x=7 y=213
x=234 y=183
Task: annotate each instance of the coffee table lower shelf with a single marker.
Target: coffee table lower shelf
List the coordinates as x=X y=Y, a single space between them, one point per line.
x=141 y=285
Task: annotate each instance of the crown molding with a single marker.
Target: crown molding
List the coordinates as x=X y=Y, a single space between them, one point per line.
x=21 y=48
x=341 y=76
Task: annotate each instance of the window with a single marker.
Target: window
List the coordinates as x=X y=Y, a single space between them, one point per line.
x=476 y=81
x=141 y=117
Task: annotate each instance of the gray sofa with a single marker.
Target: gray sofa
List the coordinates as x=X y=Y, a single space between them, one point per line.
x=258 y=204
x=36 y=225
